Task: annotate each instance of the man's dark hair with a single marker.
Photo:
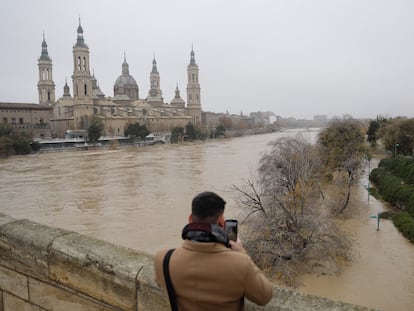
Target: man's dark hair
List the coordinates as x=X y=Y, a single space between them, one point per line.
x=207 y=206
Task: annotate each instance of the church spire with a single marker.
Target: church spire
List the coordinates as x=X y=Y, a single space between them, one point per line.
x=125 y=66
x=177 y=92
x=80 y=41
x=192 y=59
x=44 y=55
x=154 y=65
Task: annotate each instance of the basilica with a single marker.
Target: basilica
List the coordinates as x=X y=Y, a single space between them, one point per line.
x=74 y=111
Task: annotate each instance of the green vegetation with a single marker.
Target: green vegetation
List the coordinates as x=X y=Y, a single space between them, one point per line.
x=136 y=130
x=177 y=134
x=405 y=223
x=394 y=178
x=190 y=133
x=95 y=129
x=397 y=135
x=374 y=127
x=342 y=149
x=15 y=143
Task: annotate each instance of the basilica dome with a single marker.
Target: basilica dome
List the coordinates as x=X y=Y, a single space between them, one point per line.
x=126 y=84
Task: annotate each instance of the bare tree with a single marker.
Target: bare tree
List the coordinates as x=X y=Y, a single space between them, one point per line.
x=288 y=228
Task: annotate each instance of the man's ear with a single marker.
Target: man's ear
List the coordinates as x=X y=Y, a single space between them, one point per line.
x=221 y=220
x=190 y=219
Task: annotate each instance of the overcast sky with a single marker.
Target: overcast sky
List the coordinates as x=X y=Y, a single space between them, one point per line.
x=296 y=58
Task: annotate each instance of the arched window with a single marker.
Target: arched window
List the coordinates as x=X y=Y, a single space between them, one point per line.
x=84 y=63
x=79 y=63
x=48 y=96
x=193 y=77
x=86 y=89
x=47 y=74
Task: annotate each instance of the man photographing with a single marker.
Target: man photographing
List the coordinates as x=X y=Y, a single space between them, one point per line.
x=209 y=272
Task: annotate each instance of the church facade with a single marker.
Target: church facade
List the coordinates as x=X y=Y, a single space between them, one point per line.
x=75 y=111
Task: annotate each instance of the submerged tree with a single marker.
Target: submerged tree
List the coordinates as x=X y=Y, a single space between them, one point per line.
x=342 y=151
x=191 y=132
x=177 y=134
x=95 y=129
x=135 y=130
x=288 y=227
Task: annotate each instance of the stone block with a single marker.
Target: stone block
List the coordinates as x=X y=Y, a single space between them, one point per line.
x=99 y=269
x=24 y=244
x=5 y=219
x=51 y=297
x=13 y=303
x=14 y=282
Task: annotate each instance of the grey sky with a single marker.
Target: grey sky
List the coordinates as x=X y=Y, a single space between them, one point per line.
x=293 y=57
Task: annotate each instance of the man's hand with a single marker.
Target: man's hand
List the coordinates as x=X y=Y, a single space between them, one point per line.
x=237 y=246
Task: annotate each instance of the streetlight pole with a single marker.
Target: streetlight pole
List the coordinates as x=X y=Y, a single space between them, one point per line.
x=369 y=169
x=395 y=149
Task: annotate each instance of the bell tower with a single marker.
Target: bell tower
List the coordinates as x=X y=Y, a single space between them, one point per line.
x=193 y=91
x=45 y=86
x=82 y=80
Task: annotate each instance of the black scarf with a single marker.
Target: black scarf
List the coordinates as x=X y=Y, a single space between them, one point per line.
x=205 y=233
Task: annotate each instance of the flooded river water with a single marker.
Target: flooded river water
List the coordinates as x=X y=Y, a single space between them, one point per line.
x=140 y=197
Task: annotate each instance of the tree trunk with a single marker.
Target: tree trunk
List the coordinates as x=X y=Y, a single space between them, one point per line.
x=345 y=205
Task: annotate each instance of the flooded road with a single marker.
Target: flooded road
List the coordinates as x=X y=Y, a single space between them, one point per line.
x=141 y=197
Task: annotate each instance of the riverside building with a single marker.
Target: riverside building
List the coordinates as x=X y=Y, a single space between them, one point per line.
x=54 y=117
x=75 y=111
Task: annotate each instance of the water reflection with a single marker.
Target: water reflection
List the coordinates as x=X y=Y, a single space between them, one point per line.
x=140 y=198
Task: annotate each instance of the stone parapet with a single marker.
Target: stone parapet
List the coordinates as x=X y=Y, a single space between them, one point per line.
x=45 y=268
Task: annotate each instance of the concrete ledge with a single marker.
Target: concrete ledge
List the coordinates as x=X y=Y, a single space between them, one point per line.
x=288 y=300
x=42 y=267
x=102 y=270
x=24 y=245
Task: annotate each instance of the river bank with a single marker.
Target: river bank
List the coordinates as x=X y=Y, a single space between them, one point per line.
x=374 y=277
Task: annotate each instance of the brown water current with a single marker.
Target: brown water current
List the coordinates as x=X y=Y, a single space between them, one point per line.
x=140 y=197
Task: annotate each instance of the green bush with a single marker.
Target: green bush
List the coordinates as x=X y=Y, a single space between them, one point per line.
x=392 y=188
x=401 y=166
x=394 y=179
x=405 y=223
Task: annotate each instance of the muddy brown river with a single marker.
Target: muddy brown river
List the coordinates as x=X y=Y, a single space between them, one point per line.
x=140 y=197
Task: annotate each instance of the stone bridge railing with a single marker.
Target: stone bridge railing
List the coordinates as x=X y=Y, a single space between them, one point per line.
x=44 y=268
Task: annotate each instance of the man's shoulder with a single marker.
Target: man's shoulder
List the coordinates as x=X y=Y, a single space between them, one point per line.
x=159 y=255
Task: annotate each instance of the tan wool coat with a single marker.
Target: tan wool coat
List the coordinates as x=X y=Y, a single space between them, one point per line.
x=210 y=276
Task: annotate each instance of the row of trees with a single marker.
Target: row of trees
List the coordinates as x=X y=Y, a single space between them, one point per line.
x=137 y=130
x=15 y=143
x=294 y=200
x=397 y=135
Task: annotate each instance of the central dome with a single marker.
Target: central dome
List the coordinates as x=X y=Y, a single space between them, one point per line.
x=126 y=84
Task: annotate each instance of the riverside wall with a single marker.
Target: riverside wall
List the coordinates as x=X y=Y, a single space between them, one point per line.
x=43 y=268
